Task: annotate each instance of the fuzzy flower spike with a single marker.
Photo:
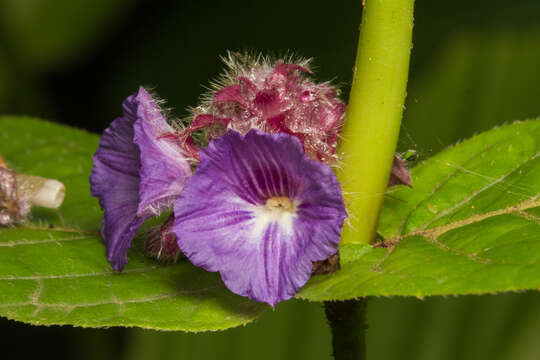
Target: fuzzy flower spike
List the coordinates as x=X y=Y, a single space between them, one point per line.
x=274 y=97
x=260 y=212
x=138 y=172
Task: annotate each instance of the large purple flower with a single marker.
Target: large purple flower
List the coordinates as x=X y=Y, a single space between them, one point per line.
x=260 y=212
x=138 y=172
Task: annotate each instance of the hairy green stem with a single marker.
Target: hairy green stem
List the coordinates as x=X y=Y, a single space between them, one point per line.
x=374 y=112
x=348 y=323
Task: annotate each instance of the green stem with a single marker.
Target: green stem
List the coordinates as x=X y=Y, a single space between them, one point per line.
x=374 y=112
x=348 y=323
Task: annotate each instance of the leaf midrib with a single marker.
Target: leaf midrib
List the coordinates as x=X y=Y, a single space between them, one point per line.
x=478 y=192
x=434 y=233
x=114 y=300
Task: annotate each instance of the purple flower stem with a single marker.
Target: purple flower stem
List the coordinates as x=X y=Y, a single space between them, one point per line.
x=347 y=319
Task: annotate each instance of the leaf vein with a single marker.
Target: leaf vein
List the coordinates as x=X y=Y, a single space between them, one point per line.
x=478 y=192
x=68 y=276
x=441 y=184
x=42 y=241
x=113 y=300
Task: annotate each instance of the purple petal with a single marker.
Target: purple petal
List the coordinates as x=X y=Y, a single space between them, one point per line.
x=164 y=168
x=137 y=173
x=115 y=181
x=260 y=212
x=400 y=174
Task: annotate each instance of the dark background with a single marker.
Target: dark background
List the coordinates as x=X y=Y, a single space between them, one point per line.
x=475 y=64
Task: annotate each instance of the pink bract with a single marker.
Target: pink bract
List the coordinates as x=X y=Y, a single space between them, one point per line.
x=274 y=98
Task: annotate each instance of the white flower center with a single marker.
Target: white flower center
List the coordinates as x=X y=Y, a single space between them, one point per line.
x=280 y=210
x=280 y=204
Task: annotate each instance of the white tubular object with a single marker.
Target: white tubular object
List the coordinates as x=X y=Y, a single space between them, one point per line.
x=48 y=193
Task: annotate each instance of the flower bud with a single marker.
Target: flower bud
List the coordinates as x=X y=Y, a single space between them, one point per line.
x=19 y=191
x=162 y=244
x=48 y=193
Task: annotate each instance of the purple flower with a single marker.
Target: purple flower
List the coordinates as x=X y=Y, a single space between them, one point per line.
x=138 y=172
x=260 y=212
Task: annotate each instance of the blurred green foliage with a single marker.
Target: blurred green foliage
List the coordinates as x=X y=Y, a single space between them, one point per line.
x=48 y=34
x=474 y=66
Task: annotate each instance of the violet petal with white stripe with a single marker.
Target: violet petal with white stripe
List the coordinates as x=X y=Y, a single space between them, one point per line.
x=260 y=212
x=164 y=168
x=125 y=176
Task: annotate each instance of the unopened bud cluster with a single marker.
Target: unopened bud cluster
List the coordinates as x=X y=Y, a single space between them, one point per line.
x=274 y=97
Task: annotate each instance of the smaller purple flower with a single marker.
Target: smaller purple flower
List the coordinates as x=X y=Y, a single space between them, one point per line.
x=260 y=212
x=138 y=172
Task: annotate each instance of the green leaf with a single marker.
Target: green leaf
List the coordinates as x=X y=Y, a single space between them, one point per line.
x=470 y=225
x=53 y=269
